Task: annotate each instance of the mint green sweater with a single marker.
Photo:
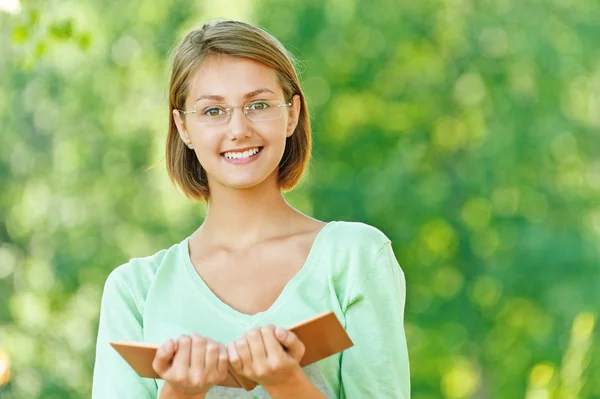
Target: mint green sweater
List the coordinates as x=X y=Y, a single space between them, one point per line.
x=350 y=270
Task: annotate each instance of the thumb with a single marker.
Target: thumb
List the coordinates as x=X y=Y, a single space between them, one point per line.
x=163 y=357
x=289 y=340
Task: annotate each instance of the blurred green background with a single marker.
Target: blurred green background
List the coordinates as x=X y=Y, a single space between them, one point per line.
x=466 y=130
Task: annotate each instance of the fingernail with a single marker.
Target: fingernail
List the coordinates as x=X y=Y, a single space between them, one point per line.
x=224 y=355
x=280 y=332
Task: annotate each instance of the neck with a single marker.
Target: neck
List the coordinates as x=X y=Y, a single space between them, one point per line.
x=241 y=217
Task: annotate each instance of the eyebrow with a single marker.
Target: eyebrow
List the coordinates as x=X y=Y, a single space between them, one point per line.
x=221 y=98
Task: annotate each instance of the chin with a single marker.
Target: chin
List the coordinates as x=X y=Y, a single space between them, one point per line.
x=244 y=183
x=246 y=179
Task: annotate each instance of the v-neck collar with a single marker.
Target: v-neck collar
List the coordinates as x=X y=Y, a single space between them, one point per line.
x=245 y=319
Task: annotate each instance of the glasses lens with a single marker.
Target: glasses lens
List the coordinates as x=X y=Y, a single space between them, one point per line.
x=212 y=114
x=263 y=110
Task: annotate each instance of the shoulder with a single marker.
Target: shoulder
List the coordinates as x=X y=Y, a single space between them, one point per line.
x=352 y=247
x=137 y=275
x=357 y=236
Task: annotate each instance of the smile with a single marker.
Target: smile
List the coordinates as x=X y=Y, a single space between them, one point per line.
x=239 y=157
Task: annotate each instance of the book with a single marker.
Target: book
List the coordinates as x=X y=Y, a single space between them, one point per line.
x=322 y=336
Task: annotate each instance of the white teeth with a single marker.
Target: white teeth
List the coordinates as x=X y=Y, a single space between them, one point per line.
x=241 y=155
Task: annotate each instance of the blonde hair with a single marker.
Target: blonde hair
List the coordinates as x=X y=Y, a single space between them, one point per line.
x=235 y=39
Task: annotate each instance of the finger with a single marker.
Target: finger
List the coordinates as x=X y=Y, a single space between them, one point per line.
x=164 y=356
x=293 y=345
x=234 y=357
x=243 y=351
x=257 y=346
x=272 y=346
x=211 y=356
x=197 y=356
x=181 y=362
x=223 y=363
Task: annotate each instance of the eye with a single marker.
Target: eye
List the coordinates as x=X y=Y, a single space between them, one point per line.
x=259 y=106
x=213 y=111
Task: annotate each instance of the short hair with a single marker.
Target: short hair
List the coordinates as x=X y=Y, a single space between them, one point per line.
x=235 y=39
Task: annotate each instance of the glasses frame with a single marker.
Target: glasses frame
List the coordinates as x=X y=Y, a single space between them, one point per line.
x=229 y=110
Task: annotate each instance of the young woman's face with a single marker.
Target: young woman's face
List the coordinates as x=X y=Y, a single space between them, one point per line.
x=239 y=153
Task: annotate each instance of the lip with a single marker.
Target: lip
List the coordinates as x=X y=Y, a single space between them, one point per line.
x=242 y=161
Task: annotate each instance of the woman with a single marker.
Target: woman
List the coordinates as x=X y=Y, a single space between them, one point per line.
x=239 y=135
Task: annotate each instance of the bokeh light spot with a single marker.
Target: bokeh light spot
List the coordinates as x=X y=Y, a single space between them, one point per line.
x=541 y=375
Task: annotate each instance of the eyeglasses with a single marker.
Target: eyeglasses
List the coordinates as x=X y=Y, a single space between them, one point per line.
x=220 y=114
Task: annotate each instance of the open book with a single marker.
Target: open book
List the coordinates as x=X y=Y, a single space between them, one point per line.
x=322 y=336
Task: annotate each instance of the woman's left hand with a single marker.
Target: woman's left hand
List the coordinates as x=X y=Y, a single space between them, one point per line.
x=268 y=355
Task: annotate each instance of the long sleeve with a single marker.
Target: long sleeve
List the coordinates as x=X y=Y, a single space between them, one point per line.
x=120 y=318
x=377 y=365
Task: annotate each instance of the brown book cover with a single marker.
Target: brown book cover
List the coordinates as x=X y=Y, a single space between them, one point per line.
x=322 y=336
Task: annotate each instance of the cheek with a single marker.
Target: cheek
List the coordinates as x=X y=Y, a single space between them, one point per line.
x=206 y=154
x=204 y=148
x=205 y=140
x=279 y=131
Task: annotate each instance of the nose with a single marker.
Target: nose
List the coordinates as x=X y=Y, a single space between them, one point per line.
x=238 y=124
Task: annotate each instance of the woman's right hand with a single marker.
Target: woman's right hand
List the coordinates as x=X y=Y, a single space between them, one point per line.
x=192 y=365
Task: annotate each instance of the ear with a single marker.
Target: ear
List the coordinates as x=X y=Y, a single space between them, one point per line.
x=181 y=128
x=294 y=115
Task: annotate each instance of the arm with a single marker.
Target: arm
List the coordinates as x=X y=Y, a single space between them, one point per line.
x=298 y=387
x=120 y=318
x=169 y=392
x=377 y=365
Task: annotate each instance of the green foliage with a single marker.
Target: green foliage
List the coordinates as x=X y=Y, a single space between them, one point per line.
x=466 y=131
